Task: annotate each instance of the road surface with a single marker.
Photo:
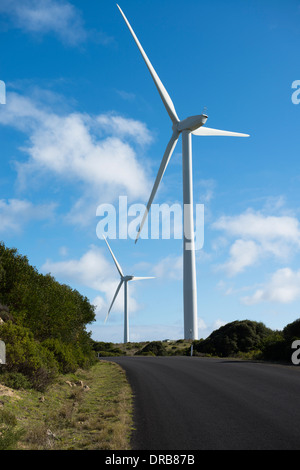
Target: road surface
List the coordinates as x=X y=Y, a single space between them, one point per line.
x=191 y=403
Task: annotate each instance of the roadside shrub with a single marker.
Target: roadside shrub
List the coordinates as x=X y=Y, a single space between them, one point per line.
x=15 y=380
x=9 y=433
x=157 y=348
x=110 y=353
x=63 y=354
x=41 y=304
x=275 y=348
x=292 y=330
x=233 y=338
x=27 y=356
x=107 y=349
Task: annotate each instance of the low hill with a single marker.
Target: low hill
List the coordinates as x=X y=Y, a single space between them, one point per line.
x=233 y=338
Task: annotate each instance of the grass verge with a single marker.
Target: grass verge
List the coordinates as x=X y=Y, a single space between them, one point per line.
x=88 y=410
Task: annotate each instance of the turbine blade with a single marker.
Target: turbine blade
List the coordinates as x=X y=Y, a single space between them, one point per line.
x=114 y=258
x=161 y=89
x=141 y=278
x=164 y=163
x=113 y=300
x=215 y=132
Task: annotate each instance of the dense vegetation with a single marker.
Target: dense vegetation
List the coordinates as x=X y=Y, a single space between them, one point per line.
x=277 y=346
x=107 y=349
x=154 y=348
x=250 y=339
x=233 y=338
x=44 y=326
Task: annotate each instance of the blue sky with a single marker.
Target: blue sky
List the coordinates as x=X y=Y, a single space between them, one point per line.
x=83 y=124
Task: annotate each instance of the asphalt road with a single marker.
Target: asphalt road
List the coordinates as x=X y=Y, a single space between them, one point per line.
x=191 y=403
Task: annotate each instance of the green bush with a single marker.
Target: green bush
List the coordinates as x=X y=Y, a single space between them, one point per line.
x=27 y=356
x=107 y=349
x=9 y=433
x=277 y=347
x=49 y=309
x=64 y=355
x=156 y=348
x=15 y=380
x=274 y=348
x=45 y=321
x=292 y=331
x=108 y=354
x=233 y=338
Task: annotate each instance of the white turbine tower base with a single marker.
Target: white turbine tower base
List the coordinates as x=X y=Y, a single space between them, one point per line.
x=186 y=127
x=124 y=280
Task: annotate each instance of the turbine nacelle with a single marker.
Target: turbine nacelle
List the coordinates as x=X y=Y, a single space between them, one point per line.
x=127 y=278
x=191 y=123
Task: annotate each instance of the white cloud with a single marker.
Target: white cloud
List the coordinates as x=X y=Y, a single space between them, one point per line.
x=65 y=145
x=98 y=153
x=229 y=289
x=169 y=267
x=63 y=251
x=243 y=253
x=100 y=305
x=15 y=213
x=127 y=96
x=283 y=287
x=46 y=16
x=260 y=227
x=124 y=127
x=90 y=270
x=205 y=330
x=205 y=189
x=259 y=236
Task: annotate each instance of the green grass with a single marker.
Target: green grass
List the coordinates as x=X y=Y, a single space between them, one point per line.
x=75 y=418
x=72 y=418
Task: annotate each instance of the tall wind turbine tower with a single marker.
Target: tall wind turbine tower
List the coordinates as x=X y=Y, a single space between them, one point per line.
x=186 y=127
x=124 y=280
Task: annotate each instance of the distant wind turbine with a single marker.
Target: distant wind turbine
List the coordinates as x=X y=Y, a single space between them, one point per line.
x=124 y=279
x=186 y=127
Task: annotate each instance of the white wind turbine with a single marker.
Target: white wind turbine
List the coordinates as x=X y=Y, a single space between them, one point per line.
x=186 y=127
x=124 y=279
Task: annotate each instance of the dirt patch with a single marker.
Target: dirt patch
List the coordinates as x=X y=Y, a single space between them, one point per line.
x=8 y=392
